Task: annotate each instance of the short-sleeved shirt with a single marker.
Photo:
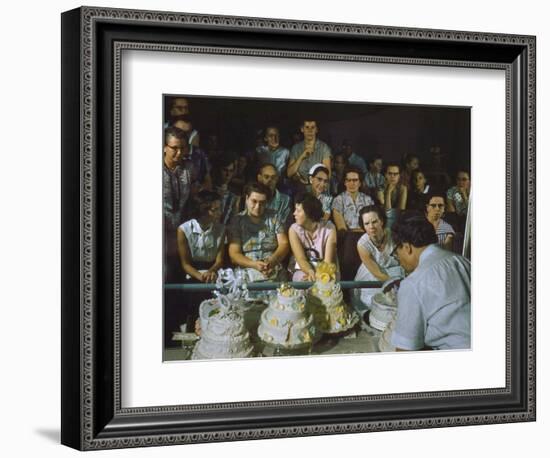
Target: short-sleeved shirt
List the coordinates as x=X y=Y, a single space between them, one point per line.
x=433 y=303
x=350 y=208
x=278 y=157
x=321 y=151
x=203 y=244
x=442 y=231
x=314 y=245
x=383 y=258
x=257 y=240
x=176 y=186
x=280 y=204
x=460 y=204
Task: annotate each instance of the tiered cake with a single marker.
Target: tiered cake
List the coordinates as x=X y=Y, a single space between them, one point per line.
x=287 y=322
x=384 y=343
x=384 y=305
x=223 y=331
x=332 y=315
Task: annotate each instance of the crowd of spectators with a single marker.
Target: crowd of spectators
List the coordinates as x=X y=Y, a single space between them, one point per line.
x=276 y=211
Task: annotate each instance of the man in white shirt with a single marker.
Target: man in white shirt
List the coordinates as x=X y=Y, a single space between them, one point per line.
x=433 y=301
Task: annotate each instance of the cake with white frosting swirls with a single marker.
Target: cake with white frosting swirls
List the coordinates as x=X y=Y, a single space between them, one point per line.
x=287 y=322
x=384 y=343
x=384 y=305
x=331 y=314
x=223 y=331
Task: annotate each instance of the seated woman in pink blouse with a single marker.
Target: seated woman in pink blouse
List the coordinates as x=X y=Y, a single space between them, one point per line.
x=312 y=239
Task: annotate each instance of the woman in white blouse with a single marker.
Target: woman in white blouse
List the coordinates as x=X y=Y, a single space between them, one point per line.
x=375 y=250
x=201 y=240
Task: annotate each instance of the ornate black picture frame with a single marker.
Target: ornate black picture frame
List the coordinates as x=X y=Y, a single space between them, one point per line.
x=92 y=41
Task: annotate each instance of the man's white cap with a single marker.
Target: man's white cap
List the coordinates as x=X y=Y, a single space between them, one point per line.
x=315 y=167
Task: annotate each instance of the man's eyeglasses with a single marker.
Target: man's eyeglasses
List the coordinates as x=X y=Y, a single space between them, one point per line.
x=393 y=253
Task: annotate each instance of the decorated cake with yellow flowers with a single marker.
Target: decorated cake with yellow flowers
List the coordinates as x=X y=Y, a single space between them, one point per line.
x=331 y=314
x=287 y=322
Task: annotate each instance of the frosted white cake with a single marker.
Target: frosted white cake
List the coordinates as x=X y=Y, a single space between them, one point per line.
x=223 y=331
x=384 y=343
x=332 y=315
x=286 y=322
x=384 y=305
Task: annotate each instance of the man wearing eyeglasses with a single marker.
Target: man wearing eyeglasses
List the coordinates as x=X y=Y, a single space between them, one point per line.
x=257 y=239
x=194 y=158
x=176 y=187
x=433 y=309
x=176 y=178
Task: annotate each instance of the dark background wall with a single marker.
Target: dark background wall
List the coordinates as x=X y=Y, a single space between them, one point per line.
x=386 y=129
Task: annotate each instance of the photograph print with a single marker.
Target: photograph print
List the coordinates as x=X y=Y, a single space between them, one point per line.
x=311 y=228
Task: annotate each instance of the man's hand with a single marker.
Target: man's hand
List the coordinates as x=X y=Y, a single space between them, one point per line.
x=262 y=266
x=309 y=148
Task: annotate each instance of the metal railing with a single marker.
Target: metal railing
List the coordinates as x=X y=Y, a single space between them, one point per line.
x=267 y=285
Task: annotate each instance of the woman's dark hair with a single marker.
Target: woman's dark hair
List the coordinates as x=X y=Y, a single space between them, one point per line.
x=311 y=205
x=203 y=202
x=415 y=174
x=320 y=168
x=413 y=227
x=407 y=159
x=353 y=169
x=372 y=208
x=392 y=164
x=435 y=193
